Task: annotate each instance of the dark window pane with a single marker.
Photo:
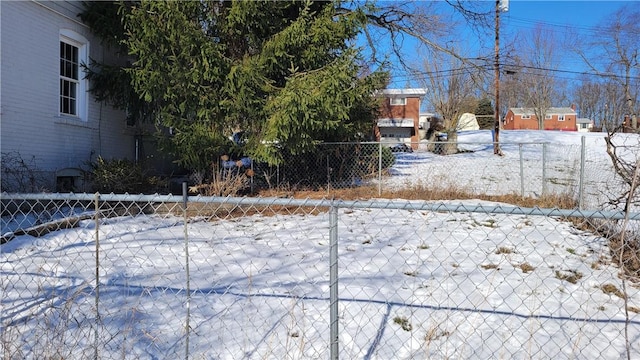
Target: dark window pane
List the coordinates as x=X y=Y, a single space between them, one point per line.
x=72 y=90
x=72 y=107
x=64 y=107
x=69 y=69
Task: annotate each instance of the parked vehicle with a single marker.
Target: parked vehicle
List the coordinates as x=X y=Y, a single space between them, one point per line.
x=401 y=147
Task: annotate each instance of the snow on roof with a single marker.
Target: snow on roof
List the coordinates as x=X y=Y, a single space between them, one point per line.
x=416 y=92
x=550 y=111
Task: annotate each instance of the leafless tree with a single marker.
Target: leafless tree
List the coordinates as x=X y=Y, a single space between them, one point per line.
x=398 y=23
x=512 y=92
x=540 y=88
x=451 y=91
x=614 y=54
x=600 y=100
x=589 y=98
x=615 y=105
x=430 y=25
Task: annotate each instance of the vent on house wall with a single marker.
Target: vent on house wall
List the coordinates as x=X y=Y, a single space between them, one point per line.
x=70 y=180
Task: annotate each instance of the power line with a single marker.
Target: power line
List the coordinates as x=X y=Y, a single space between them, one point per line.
x=488 y=67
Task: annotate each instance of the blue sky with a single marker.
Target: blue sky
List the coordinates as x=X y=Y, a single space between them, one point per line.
x=564 y=17
x=579 y=14
x=581 y=18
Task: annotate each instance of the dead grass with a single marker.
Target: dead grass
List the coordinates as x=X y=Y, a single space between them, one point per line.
x=526 y=267
x=634 y=309
x=420 y=192
x=490 y=266
x=624 y=247
x=504 y=250
x=611 y=289
x=365 y=193
x=625 y=250
x=571 y=276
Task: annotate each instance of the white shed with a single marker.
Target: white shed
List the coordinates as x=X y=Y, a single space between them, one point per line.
x=468 y=121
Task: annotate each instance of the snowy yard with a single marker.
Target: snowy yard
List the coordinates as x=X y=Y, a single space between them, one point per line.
x=551 y=168
x=413 y=284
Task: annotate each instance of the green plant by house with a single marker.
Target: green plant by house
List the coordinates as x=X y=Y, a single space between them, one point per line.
x=119 y=176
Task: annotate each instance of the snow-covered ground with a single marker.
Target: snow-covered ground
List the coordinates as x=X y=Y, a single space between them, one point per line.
x=413 y=284
x=528 y=167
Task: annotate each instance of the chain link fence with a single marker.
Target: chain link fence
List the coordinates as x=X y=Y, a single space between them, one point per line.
x=158 y=277
x=535 y=169
x=583 y=172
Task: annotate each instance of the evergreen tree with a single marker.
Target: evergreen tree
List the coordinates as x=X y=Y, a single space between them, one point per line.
x=485 y=114
x=286 y=72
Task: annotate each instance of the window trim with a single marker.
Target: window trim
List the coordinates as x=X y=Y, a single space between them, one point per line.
x=525 y=117
x=398 y=101
x=82 y=104
x=548 y=117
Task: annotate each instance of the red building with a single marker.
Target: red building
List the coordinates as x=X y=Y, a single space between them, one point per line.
x=399 y=116
x=556 y=118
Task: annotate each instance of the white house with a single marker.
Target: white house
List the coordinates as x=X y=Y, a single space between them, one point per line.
x=46 y=112
x=584 y=124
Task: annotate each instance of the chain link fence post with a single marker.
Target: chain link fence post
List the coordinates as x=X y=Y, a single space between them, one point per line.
x=521 y=171
x=333 y=280
x=379 y=168
x=188 y=275
x=544 y=169
x=97 y=292
x=582 y=161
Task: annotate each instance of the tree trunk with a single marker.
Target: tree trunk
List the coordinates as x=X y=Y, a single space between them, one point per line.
x=451 y=146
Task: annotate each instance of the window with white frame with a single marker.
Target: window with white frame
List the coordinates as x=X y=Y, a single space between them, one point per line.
x=398 y=101
x=560 y=117
x=73 y=86
x=547 y=117
x=525 y=117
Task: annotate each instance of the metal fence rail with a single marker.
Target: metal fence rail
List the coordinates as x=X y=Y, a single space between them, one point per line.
x=150 y=277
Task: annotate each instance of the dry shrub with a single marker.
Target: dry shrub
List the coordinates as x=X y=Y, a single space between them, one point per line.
x=625 y=250
x=223 y=183
x=624 y=247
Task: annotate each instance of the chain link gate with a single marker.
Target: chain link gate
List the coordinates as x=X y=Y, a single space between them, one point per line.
x=144 y=277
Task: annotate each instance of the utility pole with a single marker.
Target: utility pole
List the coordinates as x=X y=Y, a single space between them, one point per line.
x=501 y=5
